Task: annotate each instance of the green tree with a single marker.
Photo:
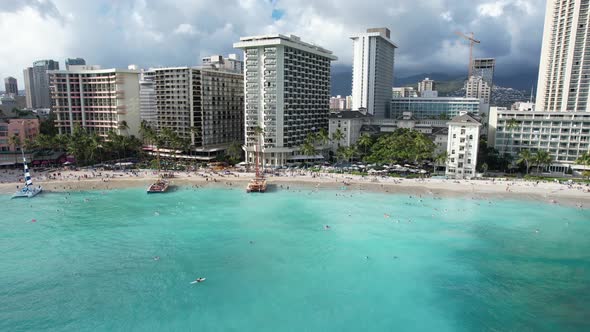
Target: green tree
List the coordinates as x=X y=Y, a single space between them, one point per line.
x=584 y=160
x=15 y=142
x=322 y=136
x=484 y=168
x=337 y=136
x=307 y=148
x=401 y=145
x=234 y=151
x=365 y=142
x=350 y=152
x=525 y=156
x=510 y=126
x=123 y=126
x=542 y=158
x=440 y=159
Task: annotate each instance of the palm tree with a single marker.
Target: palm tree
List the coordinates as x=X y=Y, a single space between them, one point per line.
x=234 y=151
x=15 y=142
x=123 y=126
x=510 y=126
x=440 y=159
x=365 y=141
x=350 y=152
x=147 y=132
x=543 y=158
x=584 y=160
x=307 y=148
x=525 y=156
x=484 y=168
x=337 y=136
x=322 y=136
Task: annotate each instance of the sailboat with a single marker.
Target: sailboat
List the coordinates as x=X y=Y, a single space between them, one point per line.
x=28 y=190
x=258 y=184
x=161 y=185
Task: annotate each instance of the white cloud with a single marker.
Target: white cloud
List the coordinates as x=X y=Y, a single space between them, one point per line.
x=116 y=33
x=492 y=9
x=185 y=29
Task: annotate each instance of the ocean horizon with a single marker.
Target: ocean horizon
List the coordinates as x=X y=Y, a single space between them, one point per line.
x=291 y=260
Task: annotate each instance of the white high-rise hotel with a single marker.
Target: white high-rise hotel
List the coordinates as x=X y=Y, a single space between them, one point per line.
x=560 y=123
x=372 y=71
x=287 y=94
x=564 y=82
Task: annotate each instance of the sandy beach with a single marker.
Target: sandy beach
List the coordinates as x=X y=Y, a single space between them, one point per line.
x=549 y=192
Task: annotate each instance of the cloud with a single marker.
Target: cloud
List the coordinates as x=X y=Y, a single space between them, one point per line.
x=185 y=29
x=114 y=33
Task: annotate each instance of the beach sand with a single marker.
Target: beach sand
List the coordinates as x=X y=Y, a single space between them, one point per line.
x=549 y=192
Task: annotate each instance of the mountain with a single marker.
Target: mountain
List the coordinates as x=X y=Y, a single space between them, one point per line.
x=342 y=80
x=446 y=84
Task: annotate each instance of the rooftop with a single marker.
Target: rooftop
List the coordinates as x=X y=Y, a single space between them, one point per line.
x=347 y=115
x=466 y=118
x=278 y=39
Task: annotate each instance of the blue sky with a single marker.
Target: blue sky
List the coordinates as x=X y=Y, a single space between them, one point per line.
x=115 y=33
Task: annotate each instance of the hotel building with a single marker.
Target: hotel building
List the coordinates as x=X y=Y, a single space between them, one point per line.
x=99 y=100
x=147 y=98
x=204 y=105
x=372 y=71
x=287 y=91
x=462 y=146
x=565 y=135
x=434 y=108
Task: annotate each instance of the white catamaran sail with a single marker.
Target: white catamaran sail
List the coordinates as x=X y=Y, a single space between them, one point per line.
x=28 y=190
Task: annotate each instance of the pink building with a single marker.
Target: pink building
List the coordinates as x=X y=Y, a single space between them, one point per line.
x=25 y=129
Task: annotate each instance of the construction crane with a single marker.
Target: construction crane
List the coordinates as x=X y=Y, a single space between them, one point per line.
x=470 y=37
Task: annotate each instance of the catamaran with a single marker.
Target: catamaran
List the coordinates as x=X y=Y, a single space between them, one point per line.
x=28 y=190
x=258 y=184
x=161 y=185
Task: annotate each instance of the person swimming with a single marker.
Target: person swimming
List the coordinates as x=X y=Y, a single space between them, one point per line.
x=156 y=258
x=200 y=279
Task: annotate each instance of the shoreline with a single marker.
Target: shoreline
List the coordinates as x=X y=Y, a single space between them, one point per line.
x=548 y=192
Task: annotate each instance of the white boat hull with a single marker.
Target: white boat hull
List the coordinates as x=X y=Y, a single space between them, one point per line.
x=27 y=193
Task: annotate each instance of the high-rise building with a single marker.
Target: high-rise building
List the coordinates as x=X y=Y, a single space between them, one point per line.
x=203 y=105
x=484 y=67
x=338 y=103
x=74 y=62
x=99 y=100
x=477 y=87
x=41 y=98
x=29 y=87
x=232 y=63
x=287 y=91
x=372 y=71
x=564 y=84
x=10 y=86
x=462 y=146
x=427 y=88
x=147 y=98
x=404 y=92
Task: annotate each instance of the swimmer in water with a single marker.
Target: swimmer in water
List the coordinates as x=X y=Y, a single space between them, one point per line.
x=156 y=258
x=327 y=227
x=200 y=279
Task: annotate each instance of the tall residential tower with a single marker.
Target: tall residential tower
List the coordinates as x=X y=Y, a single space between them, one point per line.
x=40 y=89
x=564 y=83
x=287 y=91
x=11 y=86
x=372 y=71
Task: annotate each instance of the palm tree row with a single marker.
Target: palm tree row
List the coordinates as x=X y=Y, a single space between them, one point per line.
x=88 y=147
x=540 y=158
x=584 y=160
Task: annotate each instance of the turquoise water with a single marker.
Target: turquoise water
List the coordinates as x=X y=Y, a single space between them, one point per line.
x=87 y=264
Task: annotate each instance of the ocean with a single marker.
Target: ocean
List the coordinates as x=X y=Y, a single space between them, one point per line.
x=88 y=261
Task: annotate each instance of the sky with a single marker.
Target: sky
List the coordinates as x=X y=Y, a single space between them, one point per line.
x=150 y=33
